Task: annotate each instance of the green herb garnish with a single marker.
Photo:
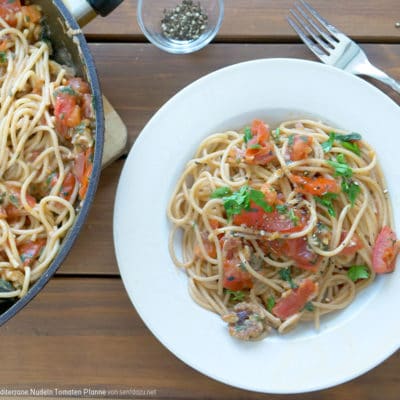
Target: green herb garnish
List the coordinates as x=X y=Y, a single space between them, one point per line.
x=236 y=295
x=247 y=134
x=326 y=201
x=309 y=306
x=327 y=146
x=352 y=147
x=293 y=217
x=255 y=146
x=221 y=192
x=271 y=303
x=276 y=135
x=341 y=167
x=347 y=141
x=351 y=188
x=282 y=209
x=6 y=286
x=286 y=275
x=3 y=57
x=357 y=272
x=291 y=140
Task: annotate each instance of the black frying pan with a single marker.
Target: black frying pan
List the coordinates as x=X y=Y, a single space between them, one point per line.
x=70 y=48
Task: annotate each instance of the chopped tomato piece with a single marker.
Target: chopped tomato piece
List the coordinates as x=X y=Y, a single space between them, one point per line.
x=296 y=249
x=315 y=186
x=260 y=133
x=29 y=251
x=270 y=193
x=385 y=251
x=208 y=246
x=15 y=208
x=259 y=155
x=214 y=224
x=68 y=186
x=79 y=85
x=67 y=112
x=235 y=276
x=295 y=300
x=301 y=147
x=32 y=13
x=83 y=168
x=259 y=219
x=8 y=10
x=354 y=245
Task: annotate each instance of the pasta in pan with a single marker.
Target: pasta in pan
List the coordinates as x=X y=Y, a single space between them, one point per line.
x=281 y=225
x=46 y=147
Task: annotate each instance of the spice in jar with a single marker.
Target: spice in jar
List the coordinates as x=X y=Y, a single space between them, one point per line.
x=186 y=21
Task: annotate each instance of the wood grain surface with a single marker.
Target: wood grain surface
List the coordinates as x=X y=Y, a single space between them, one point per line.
x=81 y=331
x=264 y=21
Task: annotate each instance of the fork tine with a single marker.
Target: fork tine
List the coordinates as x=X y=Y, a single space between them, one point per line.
x=304 y=23
x=313 y=25
x=330 y=28
x=311 y=45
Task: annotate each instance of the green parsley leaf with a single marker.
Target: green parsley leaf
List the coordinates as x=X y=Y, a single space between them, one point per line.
x=309 y=306
x=221 y=192
x=14 y=200
x=282 y=209
x=352 y=189
x=270 y=303
x=291 y=140
x=357 y=272
x=326 y=201
x=341 y=167
x=259 y=198
x=3 y=57
x=349 y=137
x=352 y=147
x=247 y=134
x=293 y=217
x=276 y=135
x=236 y=295
x=286 y=275
x=327 y=146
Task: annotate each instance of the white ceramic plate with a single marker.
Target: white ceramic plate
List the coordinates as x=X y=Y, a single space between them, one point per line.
x=349 y=342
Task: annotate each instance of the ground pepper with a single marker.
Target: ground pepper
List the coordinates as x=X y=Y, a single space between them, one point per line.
x=185 y=22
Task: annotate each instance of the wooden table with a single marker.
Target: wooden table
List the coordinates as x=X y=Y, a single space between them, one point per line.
x=81 y=331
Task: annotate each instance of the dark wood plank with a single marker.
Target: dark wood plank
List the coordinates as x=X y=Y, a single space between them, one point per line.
x=84 y=333
x=138 y=79
x=265 y=20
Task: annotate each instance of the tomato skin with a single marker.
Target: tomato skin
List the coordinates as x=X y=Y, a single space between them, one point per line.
x=8 y=9
x=67 y=112
x=234 y=277
x=301 y=147
x=259 y=219
x=29 y=251
x=260 y=132
x=33 y=13
x=314 y=186
x=297 y=249
x=79 y=85
x=83 y=168
x=385 y=251
x=260 y=156
x=296 y=299
x=354 y=245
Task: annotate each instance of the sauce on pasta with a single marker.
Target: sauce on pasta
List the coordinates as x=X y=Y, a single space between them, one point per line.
x=281 y=225
x=46 y=147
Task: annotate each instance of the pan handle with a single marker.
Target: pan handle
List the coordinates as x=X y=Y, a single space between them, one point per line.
x=85 y=10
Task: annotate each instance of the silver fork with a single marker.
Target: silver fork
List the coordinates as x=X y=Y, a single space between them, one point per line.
x=332 y=46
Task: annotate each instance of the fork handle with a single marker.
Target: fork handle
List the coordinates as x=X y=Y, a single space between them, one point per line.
x=378 y=74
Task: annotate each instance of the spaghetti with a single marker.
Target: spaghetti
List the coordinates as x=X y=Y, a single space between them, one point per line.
x=46 y=146
x=281 y=225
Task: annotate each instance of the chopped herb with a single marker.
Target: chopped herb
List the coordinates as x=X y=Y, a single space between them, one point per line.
x=349 y=137
x=66 y=90
x=326 y=201
x=293 y=217
x=236 y=295
x=357 y=272
x=286 y=275
x=221 y=192
x=14 y=199
x=2 y=197
x=276 y=135
x=309 y=306
x=291 y=140
x=347 y=141
x=282 y=209
x=341 y=167
x=6 y=286
x=242 y=266
x=270 y=303
x=327 y=146
x=352 y=189
x=247 y=134
x=255 y=146
x=3 y=57
x=259 y=198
